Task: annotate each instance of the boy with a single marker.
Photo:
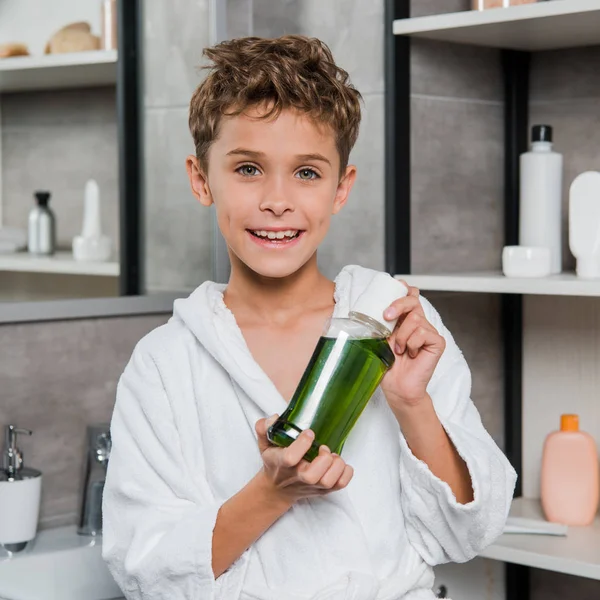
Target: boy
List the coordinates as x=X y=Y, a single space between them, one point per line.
x=197 y=503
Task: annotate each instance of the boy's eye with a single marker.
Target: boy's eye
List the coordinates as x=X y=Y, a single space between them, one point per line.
x=307 y=174
x=248 y=170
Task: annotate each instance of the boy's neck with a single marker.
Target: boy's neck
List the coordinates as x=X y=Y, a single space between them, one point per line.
x=250 y=296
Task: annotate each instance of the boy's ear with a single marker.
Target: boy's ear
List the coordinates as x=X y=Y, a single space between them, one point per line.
x=198 y=181
x=343 y=188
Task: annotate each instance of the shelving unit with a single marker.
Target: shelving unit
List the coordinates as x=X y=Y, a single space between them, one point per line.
x=60 y=263
x=516 y=31
x=530 y=27
x=55 y=71
x=576 y=554
x=565 y=284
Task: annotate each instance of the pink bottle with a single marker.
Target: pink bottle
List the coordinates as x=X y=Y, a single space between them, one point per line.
x=570 y=475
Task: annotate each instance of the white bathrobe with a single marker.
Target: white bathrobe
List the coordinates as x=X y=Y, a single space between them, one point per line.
x=184 y=442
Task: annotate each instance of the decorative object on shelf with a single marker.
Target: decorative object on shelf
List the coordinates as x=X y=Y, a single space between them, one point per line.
x=12 y=240
x=570 y=486
x=485 y=4
x=76 y=37
x=13 y=49
x=584 y=223
x=20 y=493
x=41 y=238
x=92 y=245
x=540 y=212
x=108 y=36
x=526 y=261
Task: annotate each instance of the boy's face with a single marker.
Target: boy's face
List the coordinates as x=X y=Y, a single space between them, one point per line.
x=275 y=185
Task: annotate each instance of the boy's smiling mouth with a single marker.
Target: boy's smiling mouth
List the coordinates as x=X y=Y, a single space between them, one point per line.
x=275 y=237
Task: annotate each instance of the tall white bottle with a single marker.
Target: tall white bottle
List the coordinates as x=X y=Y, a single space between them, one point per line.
x=540 y=222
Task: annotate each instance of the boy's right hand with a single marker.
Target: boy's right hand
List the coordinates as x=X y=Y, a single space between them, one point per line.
x=290 y=476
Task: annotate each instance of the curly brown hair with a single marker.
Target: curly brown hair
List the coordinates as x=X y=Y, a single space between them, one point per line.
x=291 y=71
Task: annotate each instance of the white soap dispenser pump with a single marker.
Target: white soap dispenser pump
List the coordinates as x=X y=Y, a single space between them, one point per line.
x=20 y=494
x=91 y=245
x=584 y=223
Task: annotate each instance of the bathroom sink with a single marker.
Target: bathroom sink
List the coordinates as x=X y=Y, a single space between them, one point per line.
x=57 y=565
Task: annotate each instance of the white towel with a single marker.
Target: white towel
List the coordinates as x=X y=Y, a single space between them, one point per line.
x=184 y=442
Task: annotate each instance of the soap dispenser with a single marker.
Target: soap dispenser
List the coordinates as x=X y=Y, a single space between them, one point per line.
x=344 y=371
x=20 y=493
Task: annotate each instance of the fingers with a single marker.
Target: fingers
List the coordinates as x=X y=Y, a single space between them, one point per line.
x=403 y=306
x=424 y=337
x=335 y=471
x=294 y=453
x=261 y=427
x=345 y=478
x=311 y=473
x=412 y=323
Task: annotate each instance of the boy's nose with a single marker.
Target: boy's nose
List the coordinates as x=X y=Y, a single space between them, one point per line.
x=276 y=200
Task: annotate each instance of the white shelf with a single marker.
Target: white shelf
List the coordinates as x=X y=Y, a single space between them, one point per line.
x=540 y=26
x=60 y=263
x=54 y=71
x=576 y=554
x=565 y=284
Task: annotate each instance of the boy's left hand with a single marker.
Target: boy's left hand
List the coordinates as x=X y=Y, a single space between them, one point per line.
x=418 y=347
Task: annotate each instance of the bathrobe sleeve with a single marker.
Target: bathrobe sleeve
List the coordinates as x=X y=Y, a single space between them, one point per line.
x=158 y=518
x=441 y=529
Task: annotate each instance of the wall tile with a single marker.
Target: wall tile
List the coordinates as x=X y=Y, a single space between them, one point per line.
x=56 y=378
x=353 y=31
x=546 y=585
x=576 y=127
x=454 y=70
x=356 y=235
x=174 y=37
x=60 y=158
x=85 y=106
x=474 y=321
x=178 y=228
x=421 y=8
x=457 y=203
x=565 y=74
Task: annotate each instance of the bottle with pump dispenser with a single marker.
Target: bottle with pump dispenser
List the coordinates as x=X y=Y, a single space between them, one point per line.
x=344 y=371
x=540 y=211
x=20 y=493
x=570 y=486
x=41 y=239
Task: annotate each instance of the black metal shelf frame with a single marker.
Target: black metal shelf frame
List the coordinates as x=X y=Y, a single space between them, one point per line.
x=515 y=69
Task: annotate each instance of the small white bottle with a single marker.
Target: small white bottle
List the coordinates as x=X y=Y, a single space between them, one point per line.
x=540 y=222
x=584 y=224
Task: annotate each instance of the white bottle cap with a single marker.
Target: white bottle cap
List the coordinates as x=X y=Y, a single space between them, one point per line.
x=380 y=293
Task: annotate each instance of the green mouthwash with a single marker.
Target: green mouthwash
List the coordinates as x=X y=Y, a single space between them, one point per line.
x=344 y=371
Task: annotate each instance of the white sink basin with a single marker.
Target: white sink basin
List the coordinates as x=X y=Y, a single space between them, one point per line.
x=57 y=565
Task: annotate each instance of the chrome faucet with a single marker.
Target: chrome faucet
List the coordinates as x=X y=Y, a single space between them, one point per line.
x=98 y=447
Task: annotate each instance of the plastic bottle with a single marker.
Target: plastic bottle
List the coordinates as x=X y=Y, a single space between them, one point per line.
x=570 y=486
x=584 y=224
x=344 y=371
x=540 y=215
x=41 y=237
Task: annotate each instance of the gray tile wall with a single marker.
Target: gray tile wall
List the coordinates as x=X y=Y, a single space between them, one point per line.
x=565 y=93
x=178 y=229
x=56 y=378
x=56 y=141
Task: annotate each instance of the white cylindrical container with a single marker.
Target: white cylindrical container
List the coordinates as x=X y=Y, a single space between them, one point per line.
x=20 y=507
x=540 y=214
x=584 y=224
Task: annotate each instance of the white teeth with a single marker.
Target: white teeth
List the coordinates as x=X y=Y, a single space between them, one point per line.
x=276 y=235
